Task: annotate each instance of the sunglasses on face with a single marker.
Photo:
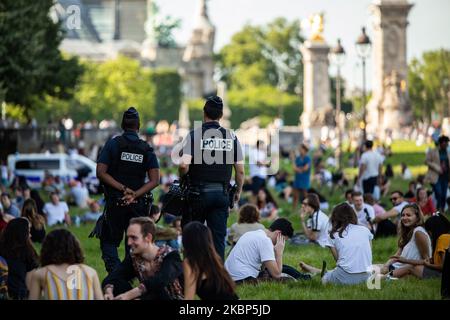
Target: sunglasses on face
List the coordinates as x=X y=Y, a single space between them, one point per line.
x=394 y=199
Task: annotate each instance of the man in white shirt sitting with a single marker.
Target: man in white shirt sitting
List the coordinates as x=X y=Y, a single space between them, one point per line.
x=57 y=212
x=260 y=248
x=364 y=212
x=93 y=214
x=398 y=201
x=79 y=193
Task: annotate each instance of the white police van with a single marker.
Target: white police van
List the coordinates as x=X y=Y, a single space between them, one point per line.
x=34 y=165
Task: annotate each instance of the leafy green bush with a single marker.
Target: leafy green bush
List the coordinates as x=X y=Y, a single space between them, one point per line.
x=266 y=102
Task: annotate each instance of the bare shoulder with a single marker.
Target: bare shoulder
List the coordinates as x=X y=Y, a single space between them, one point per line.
x=186 y=266
x=39 y=273
x=89 y=270
x=421 y=234
x=186 y=263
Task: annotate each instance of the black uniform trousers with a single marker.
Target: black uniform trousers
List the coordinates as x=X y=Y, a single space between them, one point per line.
x=212 y=206
x=114 y=228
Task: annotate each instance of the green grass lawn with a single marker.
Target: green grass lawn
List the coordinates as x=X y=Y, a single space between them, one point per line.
x=382 y=249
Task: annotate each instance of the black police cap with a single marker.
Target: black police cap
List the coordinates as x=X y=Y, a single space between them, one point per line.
x=131 y=113
x=214 y=102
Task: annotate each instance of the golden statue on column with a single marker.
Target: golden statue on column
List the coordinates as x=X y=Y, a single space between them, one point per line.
x=315 y=23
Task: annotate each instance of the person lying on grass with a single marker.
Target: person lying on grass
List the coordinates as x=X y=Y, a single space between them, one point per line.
x=350 y=245
x=158 y=269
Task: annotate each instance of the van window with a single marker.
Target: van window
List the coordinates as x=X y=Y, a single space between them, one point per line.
x=45 y=164
x=77 y=165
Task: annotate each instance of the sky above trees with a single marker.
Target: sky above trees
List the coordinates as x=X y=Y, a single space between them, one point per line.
x=428 y=29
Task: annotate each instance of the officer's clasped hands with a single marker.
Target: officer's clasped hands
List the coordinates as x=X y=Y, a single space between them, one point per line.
x=128 y=198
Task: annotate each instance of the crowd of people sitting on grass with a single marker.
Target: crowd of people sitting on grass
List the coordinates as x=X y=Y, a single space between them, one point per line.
x=168 y=262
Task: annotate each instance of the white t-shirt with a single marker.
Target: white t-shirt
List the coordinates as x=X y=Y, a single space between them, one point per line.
x=411 y=251
x=56 y=213
x=4 y=172
x=80 y=195
x=372 y=160
x=400 y=207
x=362 y=216
x=407 y=175
x=318 y=222
x=353 y=249
x=245 y=259
x=255 y=170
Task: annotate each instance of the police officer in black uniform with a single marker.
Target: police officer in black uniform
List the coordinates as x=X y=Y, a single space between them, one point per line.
x=208 y=157
x=122 y=167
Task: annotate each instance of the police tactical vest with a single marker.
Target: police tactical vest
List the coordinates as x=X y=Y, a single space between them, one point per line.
x=220 y=147
x=129 y=163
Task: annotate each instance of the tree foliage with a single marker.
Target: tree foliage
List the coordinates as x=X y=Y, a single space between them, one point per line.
x=429 y=84
x=346 y=104
x=265 y=102
x=106 y=89
x=263 y=69
x=264 y=55
x=166 y=92
x=161 y=28
x=31 y=65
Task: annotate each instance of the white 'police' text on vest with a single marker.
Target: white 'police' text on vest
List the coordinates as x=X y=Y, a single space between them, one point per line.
x=132 y=157
x=217 y=144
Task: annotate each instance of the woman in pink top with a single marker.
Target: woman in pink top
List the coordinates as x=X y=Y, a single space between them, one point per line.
x=425 y=202
x=369 y=199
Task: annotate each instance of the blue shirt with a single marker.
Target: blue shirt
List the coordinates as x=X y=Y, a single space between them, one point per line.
x=12 y=210
x=112 y=148
x=302 y=180
x=443 y=157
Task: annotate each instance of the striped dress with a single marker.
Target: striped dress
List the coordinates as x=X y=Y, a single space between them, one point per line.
x=3 y=279
x=77 y=286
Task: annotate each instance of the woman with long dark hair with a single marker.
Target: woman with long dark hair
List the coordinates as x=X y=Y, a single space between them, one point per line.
x=438 y=227
x=16 y=248
x=34 y=194
x=62 y=275
x=350 y=245
x=204 y=273
x=266 y=204
x=29 y=211
x=414 y=244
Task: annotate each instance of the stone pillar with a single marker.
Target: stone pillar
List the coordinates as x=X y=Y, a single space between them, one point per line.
x=317 y=109
x=198 y=57
x=149 y=46
x=389 y=107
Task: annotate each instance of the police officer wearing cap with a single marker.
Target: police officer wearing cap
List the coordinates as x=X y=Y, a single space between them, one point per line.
x=122 y=167
x=209 y=154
